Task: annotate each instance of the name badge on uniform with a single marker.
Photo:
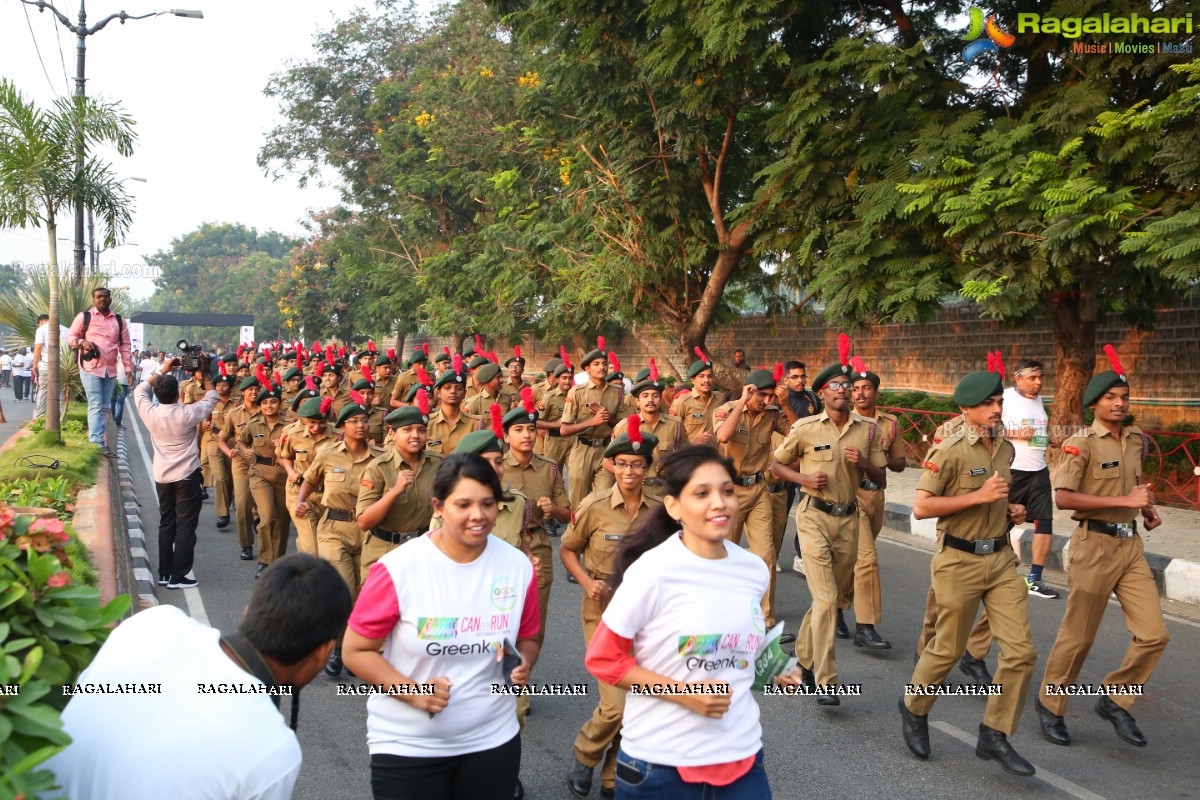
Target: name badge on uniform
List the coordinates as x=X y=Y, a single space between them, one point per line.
x=980 y=471
x=433 y=443
x=743 y=432
x=301 y=452
x=696 y=416
x=821 y=447
x=337 y=469
x=1109 y=464
x=613 y=537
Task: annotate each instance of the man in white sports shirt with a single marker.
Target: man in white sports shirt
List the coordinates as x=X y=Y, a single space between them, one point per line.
x=1025 y=424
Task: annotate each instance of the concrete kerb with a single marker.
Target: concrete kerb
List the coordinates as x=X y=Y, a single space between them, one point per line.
x=136 y=541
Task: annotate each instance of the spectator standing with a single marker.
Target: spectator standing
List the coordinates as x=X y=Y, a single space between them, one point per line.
x=100 y=337
x=739 y=360
x=5 y=369
x=21 y=372
x=147 y=366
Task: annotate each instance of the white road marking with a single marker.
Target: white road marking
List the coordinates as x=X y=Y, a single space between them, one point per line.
x=1045 y=775
x=195 y=605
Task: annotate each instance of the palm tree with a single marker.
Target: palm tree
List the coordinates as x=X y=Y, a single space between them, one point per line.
x=38 y=177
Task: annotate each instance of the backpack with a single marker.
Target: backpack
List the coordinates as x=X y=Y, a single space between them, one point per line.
x=87 y=319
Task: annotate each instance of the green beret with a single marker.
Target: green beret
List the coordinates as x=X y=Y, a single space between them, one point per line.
x=249 y=382
x=406 y=415
x=1100 y=384
x=383 y=361
x=697 y=367
x=615 y=377
x=229 y=358
x=561 y=369
x=519 y=416
x=645 y=385
x=449 y=376
x=468 y=348
x=351 y=410
x=310 y=408
x=363 y=383
x=264 y=361
x=302 y=395
x=976 y=387
x=292 y=373
x=335 y=367
x=622 y=446
x=411 y=395
x=831 y=372
x=520 y=360
x=551 y=365
x=855 y=377
x=761 y=379
x=593 y=355
x=488 y=371
x=442 y=358
x=642 y=374
x=479 y=442
x=230 y=379
x=265 y=394
x=418 y=357
x=477 y=362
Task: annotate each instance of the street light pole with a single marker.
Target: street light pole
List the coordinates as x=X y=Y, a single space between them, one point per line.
x=82 y=31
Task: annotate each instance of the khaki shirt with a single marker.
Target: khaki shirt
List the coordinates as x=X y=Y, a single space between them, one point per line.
x=669 y=431
x=301 y=449
x=338 y=475
x=511 y=393
x=601 y=524
x=443 y=437
x=887 y=430
x=190 y=391
x=817 y=444
x=540 y=478
x=750 y=446
x=550 y=409
x=286 y=398
x=402 y=383
x=262 y=438
x=540 y=390
x=958 y=465
x=480 y=403
x=412 y=510
x=376 y=429
x=696 y=414
x=235 y=422
x=339 y=396
x=1099 y=463
x=575 y=407
x=217 y=420
x=383 y=391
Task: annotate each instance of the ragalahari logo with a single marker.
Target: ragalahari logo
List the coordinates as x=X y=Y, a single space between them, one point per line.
x=978 y=28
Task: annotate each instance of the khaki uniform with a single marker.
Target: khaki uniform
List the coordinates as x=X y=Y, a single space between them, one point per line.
x=301 y=449
x=1100 y=463
x=408 y=517
x=671 y=437
x=510 y=393
x=866 y=591
x=402 y=383
x=286 y=398
x=218 y=462
x=444 y=437
x=376 y=428
x=235 y=422
x=958 y=465
x=750 y=450
x=267 y=487
x=540 y=478
x=340 y=397
x=539 y=391
x=828 y=543
x=556 y=447
x=383 y=391
x=586 y=455
x=480 y=403
x=600 y=525
x=696 y=414
x=339 y=475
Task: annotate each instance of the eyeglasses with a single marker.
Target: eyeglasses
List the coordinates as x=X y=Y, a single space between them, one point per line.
x=838 y=386
x=623 y=465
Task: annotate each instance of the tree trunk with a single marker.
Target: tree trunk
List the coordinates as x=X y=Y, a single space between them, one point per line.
x=400 y=339
x=664 y=361
x=53 y=421
x=1073 y=314
x=456 y=340
x=697 y=330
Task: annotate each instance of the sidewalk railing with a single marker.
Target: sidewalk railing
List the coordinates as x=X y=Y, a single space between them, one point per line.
x=1172 y=464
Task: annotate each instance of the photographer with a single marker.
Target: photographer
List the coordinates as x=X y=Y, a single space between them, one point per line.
x=172 y=429
x=98 y=336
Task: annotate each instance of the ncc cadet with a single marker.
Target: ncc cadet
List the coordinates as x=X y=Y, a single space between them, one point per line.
x=1100 y=479
x=423 y=382
x=830 y=455
x=235 y=422
x=965 y=485
x=539 y=390
x=394 y=493
x=668 y=430
x=330 y=373
x=441 y=362
x=590 y=411
x=514 y=381
x=602 y=521
x=745 y=428
x=866 y=592
x=406 y=379
x=365 y=387
x=257 y=443
x=695 y=409
x=477 y=362
x=488 y=378
x=540 y=480
x=292 y=379
x=448 y=424
x=218 y=462
x=299 y=445
x=385 y=379
x=338 y=470
x=550 y=410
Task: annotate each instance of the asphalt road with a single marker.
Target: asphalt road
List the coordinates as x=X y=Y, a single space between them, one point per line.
x=812 y=752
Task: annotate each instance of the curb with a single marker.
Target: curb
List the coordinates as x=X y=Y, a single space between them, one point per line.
x=1176 y=578
x=143 y=573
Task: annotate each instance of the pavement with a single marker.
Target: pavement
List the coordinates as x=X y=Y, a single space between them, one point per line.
x=16 y=413
x=1172 y=549
x=855 y=750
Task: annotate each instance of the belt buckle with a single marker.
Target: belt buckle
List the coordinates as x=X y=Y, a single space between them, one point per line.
x=1124 y=529
x=983 y=548
x=870 y=485
x=837 y=509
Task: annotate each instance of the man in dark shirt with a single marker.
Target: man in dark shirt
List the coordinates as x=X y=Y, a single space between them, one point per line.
x=739 y=360
x=797 y=402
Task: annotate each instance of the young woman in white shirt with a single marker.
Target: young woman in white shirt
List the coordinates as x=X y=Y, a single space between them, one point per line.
x=666 y=628
x=438 y=613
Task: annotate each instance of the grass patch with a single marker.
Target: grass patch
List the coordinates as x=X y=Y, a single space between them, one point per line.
x=78 y=459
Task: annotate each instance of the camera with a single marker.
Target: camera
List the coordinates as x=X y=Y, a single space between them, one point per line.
x=190 y=358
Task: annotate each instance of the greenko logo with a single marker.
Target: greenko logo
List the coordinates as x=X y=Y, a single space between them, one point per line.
x=976 y=28
x=1074 y=27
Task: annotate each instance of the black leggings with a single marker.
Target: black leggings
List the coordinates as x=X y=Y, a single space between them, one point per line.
x=486 y=775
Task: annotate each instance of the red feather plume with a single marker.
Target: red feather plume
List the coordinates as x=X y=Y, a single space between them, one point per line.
x=241 y=347
x=371 y=346
x=859 y=366
x=366 y=373
x=497 y=416
x=309 y=383
x=778 y=373
x=423 y=376
x=329 y=358
x=1111 y=352
x=260 y=372
x=478 y=344
x=423 y=402
x=991 y=362
x=356 y=397
x=326 y=404
x=320 y=370
x=562 y=351
x=1000 y=364
x=635 y=429
x=391 y=353
x=316 y=345
x=653 y=371
x=700 y=354
x=425 y=349
x=517 y=351
x=843 y=349
x=342 y=351
x=456 y=364
x=603 y=345
x=221 y=366
x=616 y=362
x=278 y=379
x=527 y=399
x=446 y=349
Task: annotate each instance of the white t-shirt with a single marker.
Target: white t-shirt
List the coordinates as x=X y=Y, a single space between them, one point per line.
x=22 y=365
x=146 y=368
x=681 y=628
x=1020 y=412
x=188 y=744
x=5 y=362
x=42 y=337
x=451 y=618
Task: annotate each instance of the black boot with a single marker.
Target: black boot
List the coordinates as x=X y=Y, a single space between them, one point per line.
x=579 y=778
x=916 y=731
x=222 y=522
x=333 y=666
x=866 y=636
x=994 y=744
x=975 y=669
x=1126 y=728
x=247 y=554
x=1054 y=729
x=841 y=631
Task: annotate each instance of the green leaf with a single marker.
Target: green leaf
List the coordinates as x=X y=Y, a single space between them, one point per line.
x=37 y=757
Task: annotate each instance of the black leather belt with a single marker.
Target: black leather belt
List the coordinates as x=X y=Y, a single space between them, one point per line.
x=340 y=515
x=834 y=509
x=394 y=537
x=264 y=460
x=775 y=488
x=979 y=547
x=594 y=442
x=749 y=480
x=869 y=484
x=552 y=432
x=1121 y=530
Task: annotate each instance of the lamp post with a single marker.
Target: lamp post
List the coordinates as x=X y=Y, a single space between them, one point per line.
x=82 y=31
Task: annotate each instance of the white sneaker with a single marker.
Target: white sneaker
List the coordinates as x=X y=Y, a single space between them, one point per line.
x=778 y=568
x=798 y=565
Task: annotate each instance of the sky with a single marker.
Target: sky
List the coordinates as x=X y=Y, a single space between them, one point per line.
x=195 y=89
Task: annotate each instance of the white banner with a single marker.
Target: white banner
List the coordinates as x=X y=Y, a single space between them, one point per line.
x=136 y=335
x=247 y=334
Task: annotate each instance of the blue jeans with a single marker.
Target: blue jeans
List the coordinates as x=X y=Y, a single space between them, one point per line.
x=118 y=403
x=99 y=393
x=641 y=780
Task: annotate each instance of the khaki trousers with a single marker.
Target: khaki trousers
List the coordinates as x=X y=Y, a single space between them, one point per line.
x=866 y=591
x=600 y=737
x=979 y=642
x=222 y=478
x=306 y=527
x=243 y=501
x=1101 y=565
x=539 y=546
x=756 y=510
x=270 y=500
x=828 y=545
x=341 y=543
x=582 y=465
x=960 y=582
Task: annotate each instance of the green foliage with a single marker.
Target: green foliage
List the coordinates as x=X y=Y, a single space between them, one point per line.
x=78 y=458
x=48 y=491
